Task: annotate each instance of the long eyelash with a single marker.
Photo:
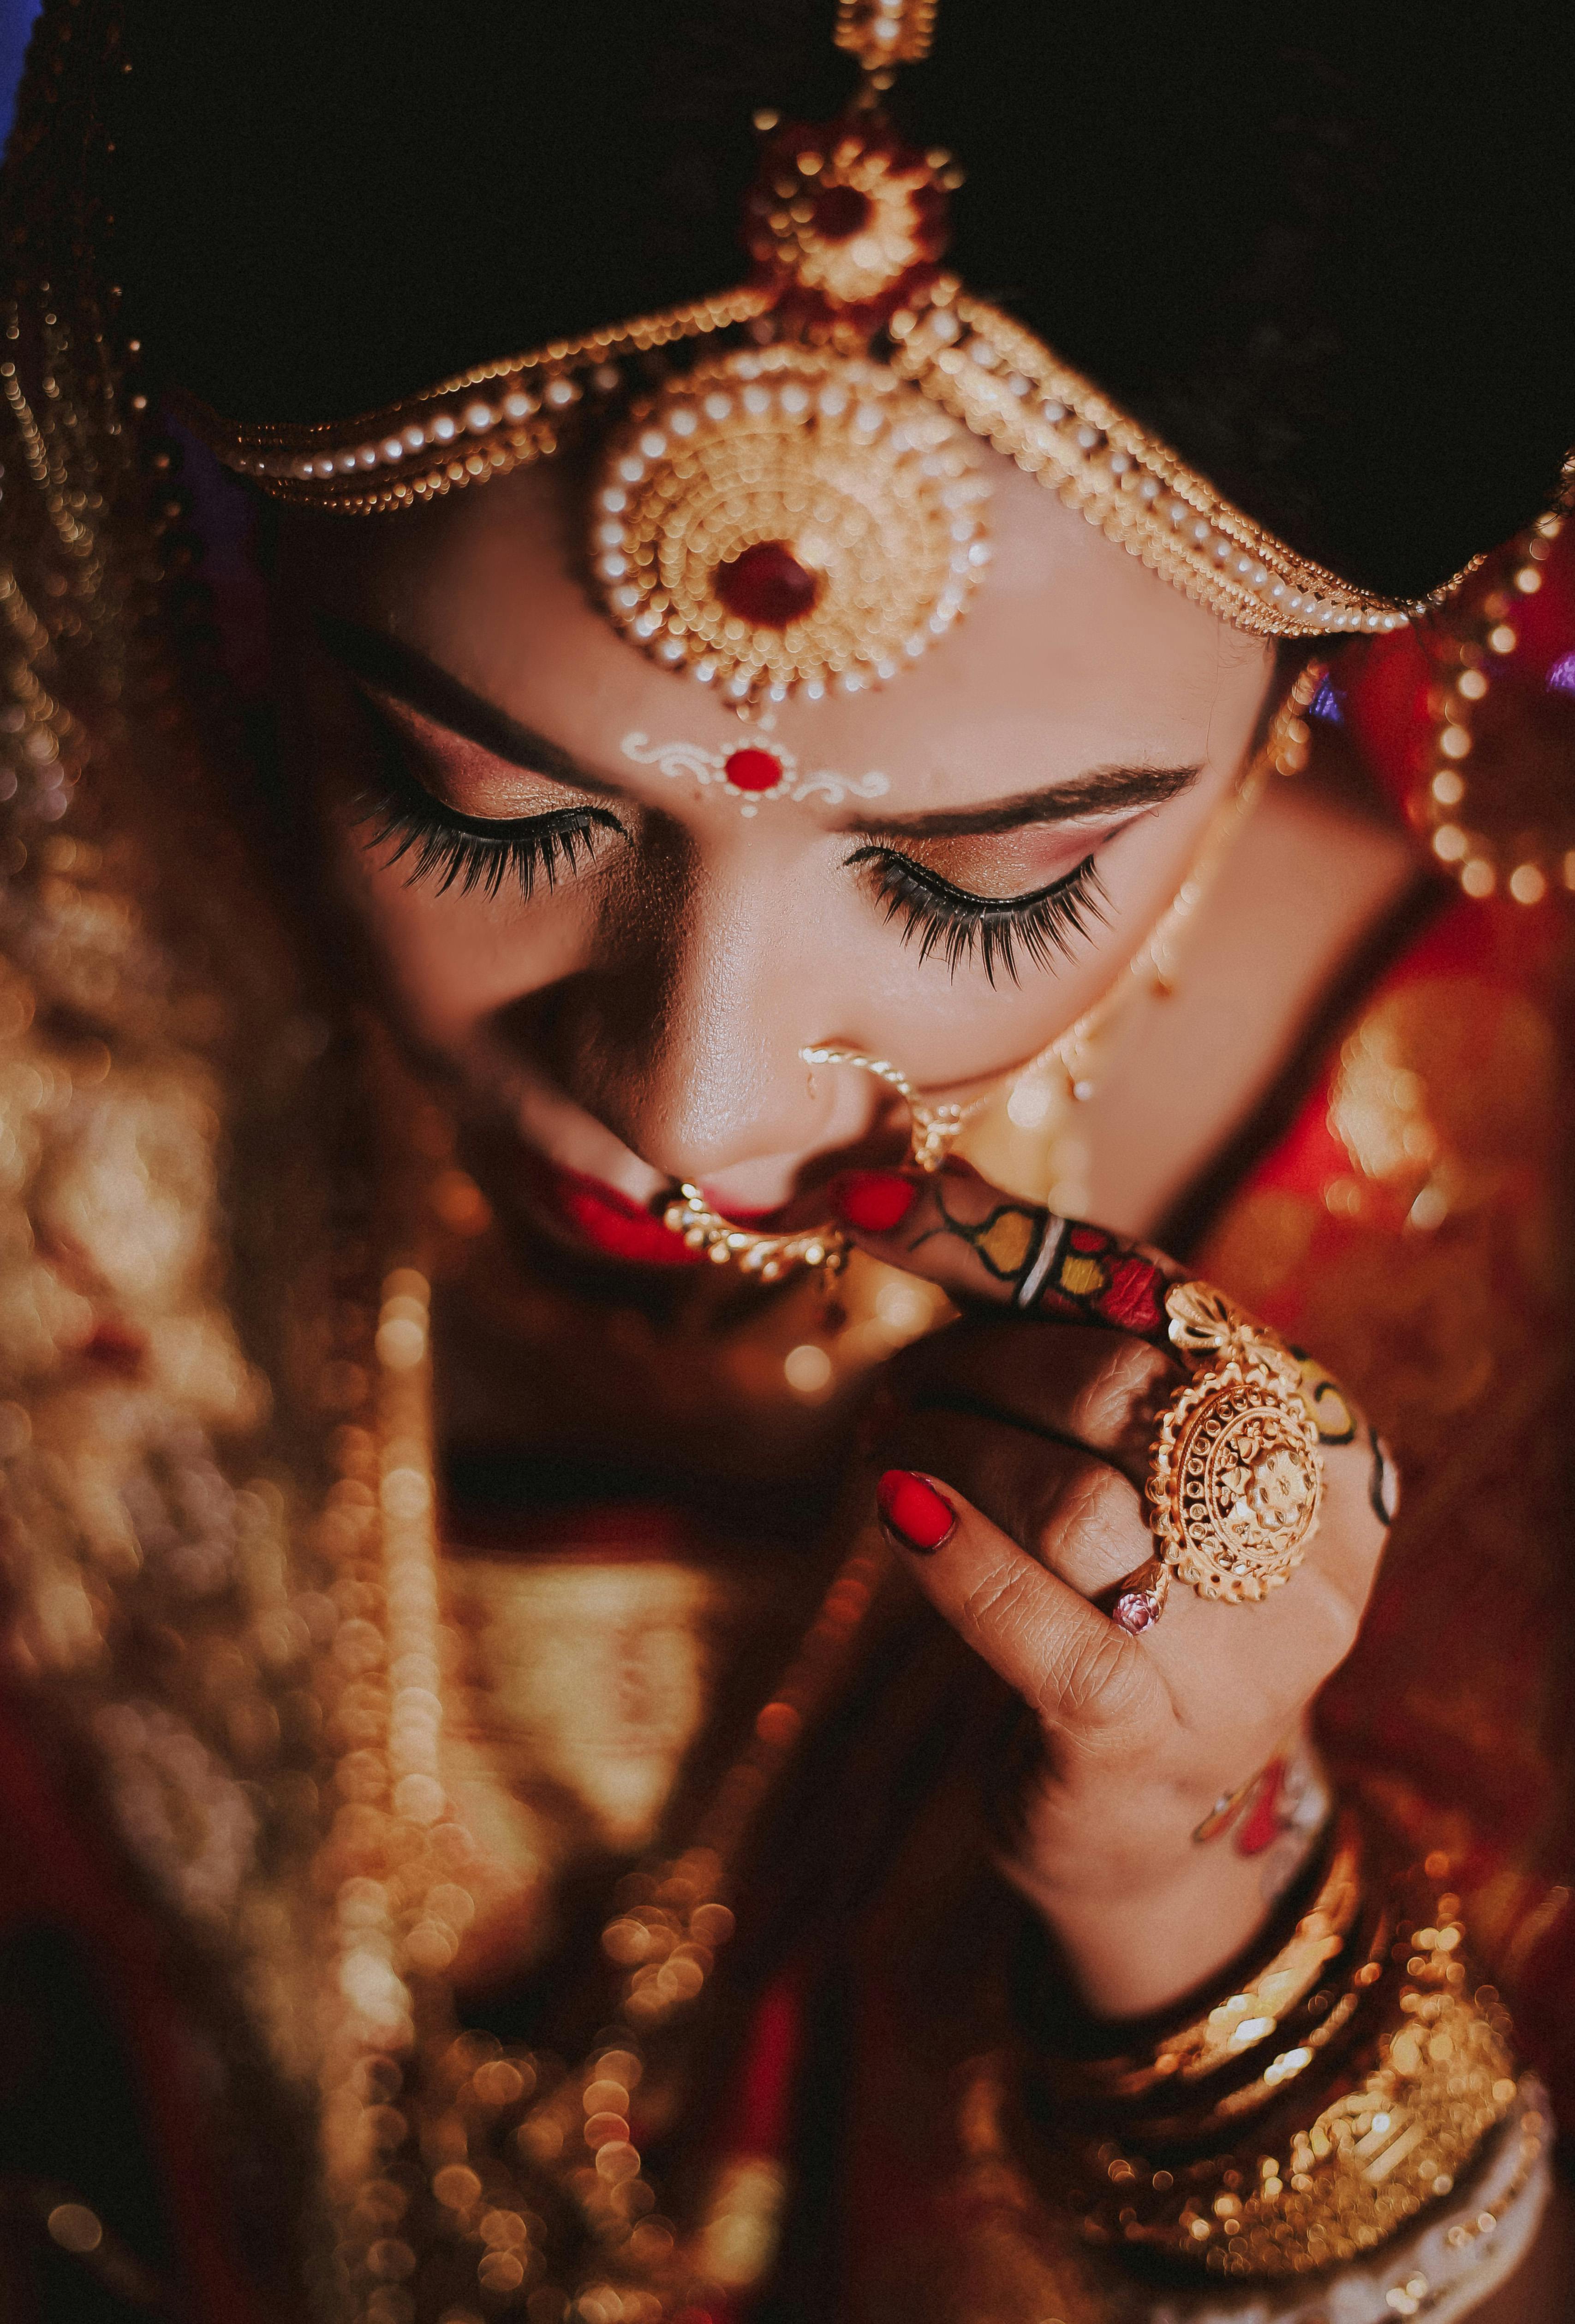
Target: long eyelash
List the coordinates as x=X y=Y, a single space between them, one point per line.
x=454 y=854
x=1006 y=934
x=464 y=850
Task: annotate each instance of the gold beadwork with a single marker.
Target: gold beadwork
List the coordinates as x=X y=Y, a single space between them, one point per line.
x=997 y=379
x=882 y=32
x=845 y=220
x=1008 y=386
x=1415 y=2071
x=1237 y=1475
x=865 y=493
x=335 y=1614
x=936 y=1129
x=767 y=1256
x=1423 y=2094
x=933 y=1131
x=1527 y=866
x=479 y=424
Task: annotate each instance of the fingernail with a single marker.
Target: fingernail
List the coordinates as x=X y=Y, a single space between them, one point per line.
x=913 y=1511
x=873 y=1201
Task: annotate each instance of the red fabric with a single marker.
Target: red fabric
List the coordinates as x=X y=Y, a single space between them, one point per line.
x=54 y=1869
x=51 y=1866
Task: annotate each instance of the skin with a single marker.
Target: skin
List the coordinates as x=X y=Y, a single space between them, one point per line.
x=641 y=1021
x=694 y=959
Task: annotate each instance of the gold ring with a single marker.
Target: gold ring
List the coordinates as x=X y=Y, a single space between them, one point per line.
x=1236 y=1476
x=932 y=1132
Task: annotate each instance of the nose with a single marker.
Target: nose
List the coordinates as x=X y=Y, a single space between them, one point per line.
x=688 y=1049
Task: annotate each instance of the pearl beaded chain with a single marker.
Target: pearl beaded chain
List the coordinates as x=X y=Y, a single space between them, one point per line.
x=1439 y=804
x=1005 y=385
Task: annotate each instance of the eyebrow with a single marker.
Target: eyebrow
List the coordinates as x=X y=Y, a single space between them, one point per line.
x=394 y=667
x=405 y=672
x=1103 y=791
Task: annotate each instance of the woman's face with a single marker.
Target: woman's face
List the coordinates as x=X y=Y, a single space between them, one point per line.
x=615 y=967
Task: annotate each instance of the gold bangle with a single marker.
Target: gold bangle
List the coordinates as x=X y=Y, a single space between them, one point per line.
x=1257 y=2006
x=1399 y=2120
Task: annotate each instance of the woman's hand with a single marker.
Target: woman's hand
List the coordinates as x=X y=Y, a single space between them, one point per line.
x=1016 y=1446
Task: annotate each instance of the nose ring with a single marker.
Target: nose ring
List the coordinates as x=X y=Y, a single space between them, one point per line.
x=932 y=1131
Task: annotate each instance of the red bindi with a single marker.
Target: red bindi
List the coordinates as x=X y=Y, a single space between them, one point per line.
x=752 y=770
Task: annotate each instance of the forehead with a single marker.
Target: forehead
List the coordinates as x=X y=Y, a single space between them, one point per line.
x=1072 y=653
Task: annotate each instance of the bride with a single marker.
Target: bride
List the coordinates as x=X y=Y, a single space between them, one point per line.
x=785 y=999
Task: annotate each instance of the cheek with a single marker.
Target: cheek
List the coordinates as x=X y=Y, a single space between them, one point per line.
x=445 y=963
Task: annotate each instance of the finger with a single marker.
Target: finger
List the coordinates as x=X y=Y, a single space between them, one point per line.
x=1074 y=1515
x=1099 y=1390
x=1067 y=1662
x=1348 y=1544
x=981 y=1245
x=1083 y=1521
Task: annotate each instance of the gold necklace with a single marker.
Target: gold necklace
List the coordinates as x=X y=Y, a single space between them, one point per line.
x=449 y=2160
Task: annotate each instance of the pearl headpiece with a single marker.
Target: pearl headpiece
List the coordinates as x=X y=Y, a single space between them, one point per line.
x=803 y=506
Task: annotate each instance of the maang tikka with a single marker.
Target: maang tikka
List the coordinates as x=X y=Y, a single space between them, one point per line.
x=797 y=504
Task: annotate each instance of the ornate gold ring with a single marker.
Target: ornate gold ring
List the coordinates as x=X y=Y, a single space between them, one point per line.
x=1236 y=1476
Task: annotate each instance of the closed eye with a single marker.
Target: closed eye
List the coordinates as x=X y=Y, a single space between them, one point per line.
x=442 y=847
x=1004 y=933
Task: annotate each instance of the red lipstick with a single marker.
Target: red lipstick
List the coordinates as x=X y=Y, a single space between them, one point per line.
x=595 y=1213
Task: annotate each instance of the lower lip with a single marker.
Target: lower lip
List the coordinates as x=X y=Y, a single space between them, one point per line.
x=597 y=1214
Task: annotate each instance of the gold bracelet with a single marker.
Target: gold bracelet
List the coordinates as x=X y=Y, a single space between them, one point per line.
x=1425 y=2071
x=1257 y=2007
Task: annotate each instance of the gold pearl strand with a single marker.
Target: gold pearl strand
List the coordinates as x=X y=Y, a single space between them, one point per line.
x=1439 y=804
x=1027 y=1144
x=441 y=2148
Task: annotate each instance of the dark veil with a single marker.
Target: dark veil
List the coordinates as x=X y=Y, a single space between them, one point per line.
x=1322 y=254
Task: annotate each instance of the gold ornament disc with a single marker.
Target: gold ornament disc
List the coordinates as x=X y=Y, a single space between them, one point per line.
x=1237 y=1476
x=786 y=517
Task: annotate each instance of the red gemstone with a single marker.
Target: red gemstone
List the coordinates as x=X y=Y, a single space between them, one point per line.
x=752 y=770
x=766 y=585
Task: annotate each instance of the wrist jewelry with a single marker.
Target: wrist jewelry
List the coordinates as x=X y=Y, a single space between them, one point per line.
x=1387 y=2072
x=1292 y=1992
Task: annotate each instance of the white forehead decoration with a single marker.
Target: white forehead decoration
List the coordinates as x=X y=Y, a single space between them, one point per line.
x=753 y=773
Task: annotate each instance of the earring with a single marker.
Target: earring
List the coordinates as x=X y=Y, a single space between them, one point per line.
x=1489 y=844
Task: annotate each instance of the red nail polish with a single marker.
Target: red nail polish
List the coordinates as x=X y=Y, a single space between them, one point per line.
x=873 y=1201
x=912 y=1510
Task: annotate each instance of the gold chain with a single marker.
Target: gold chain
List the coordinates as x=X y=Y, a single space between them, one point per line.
x=1067 y=1061
x=496 y=2136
